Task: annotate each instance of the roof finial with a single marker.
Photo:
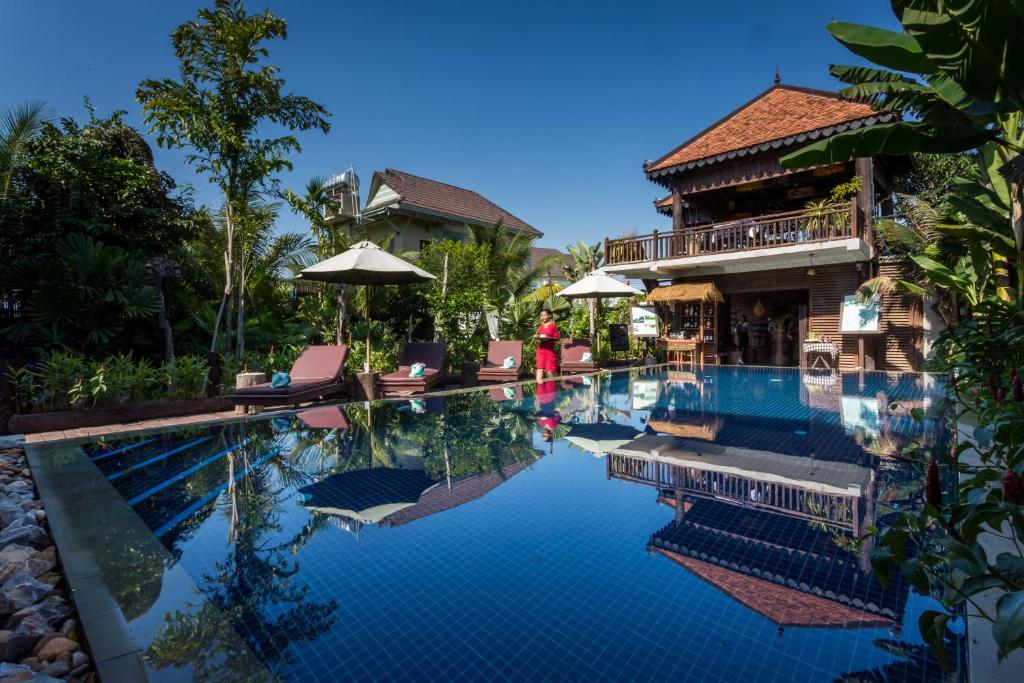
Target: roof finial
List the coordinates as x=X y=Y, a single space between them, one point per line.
x=778 y=78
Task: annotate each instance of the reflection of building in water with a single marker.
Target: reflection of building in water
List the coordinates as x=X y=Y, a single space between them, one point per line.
x=824 y=491
x=790 y=572
x=775 y=531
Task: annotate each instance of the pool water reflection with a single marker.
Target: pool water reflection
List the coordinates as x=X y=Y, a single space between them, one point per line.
x=636 y=524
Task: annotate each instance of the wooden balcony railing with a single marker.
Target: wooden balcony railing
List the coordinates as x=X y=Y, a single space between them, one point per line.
x=831 y=222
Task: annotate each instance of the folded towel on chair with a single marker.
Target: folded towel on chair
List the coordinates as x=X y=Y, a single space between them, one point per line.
x=587 y=357
x=417 y=370
x=510 y=362
x=279 y=380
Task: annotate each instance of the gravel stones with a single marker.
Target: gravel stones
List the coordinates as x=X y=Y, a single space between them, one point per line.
x=39 y=641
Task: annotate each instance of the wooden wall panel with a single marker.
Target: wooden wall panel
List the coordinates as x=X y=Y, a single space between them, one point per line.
x=902 y=321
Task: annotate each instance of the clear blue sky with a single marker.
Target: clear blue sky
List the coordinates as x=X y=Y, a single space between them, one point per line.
x=546 y=108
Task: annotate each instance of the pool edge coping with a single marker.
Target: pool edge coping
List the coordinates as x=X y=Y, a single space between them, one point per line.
x=116 y=653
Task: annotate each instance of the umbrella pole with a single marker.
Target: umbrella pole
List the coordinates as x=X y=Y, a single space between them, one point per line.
x=366 y=365
x=593 y=326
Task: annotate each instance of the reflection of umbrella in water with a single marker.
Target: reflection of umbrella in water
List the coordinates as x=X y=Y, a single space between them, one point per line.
x=366 y=496
x=597 y=439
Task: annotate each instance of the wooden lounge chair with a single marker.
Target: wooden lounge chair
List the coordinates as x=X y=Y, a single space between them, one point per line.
x=317 y=373
x=497 y=352
x=572 y=356
x=399 y=382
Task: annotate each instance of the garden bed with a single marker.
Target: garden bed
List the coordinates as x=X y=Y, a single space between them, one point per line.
x=72 y=419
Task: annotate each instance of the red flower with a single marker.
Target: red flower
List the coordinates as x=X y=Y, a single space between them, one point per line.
x=992 y=385
x=1013 y=488
x=1018 y=389
x=932 y=489
x=1000 y=394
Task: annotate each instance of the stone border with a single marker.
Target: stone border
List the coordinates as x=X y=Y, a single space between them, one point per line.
x=41 y=639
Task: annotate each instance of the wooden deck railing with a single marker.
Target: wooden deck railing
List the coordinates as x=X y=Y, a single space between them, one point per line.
x=832 y=222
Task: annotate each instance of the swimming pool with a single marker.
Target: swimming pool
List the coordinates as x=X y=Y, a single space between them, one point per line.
x=639 y=524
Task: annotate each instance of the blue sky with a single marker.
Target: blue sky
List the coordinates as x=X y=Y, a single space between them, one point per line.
x=547 y=108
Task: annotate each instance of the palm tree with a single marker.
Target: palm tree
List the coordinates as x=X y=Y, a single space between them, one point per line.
x=18 y=125
x=585 y=258
x=313 y=205
x=511 y=274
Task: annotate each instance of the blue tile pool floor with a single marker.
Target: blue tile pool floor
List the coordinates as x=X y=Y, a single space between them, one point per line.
x=634 y=525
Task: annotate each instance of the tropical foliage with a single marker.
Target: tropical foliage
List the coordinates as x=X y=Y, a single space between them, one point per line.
x=953 y=70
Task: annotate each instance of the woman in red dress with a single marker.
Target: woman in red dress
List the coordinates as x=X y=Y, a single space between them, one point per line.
x=547 y=334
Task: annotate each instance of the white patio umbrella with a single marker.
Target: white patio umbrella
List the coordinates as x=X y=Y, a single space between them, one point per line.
x=597 y=285
x=366 y=264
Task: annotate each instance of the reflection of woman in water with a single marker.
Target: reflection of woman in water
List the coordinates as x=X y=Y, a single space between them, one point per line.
x=547 y=417
x=547 y=334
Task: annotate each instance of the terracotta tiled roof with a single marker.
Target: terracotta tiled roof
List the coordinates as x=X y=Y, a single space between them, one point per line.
x=778 y=115
x=538 y=253
x=423 y=195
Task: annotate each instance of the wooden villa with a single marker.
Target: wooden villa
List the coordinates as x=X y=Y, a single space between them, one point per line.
x=775 y=247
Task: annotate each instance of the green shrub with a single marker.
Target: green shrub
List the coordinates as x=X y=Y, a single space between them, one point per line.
x=186 y=377
x=59 y=376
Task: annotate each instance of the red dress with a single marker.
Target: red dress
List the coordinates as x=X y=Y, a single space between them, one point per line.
x=546 y=358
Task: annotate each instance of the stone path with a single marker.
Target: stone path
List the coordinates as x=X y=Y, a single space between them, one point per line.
x=128 y=427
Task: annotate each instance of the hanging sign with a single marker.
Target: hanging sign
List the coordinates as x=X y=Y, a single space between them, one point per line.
x=643 y=321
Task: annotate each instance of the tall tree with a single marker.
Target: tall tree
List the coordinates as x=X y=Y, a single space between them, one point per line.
x=225 y=94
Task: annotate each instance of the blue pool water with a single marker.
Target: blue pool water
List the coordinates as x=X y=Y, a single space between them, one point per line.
x=634 y=525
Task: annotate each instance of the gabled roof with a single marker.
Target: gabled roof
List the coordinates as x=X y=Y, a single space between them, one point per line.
x=415 y=194
x=780 y=116
x=537 y=254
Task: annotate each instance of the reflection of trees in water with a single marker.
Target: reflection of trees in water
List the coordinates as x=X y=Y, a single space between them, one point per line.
x=254 y=590
x=914 y=663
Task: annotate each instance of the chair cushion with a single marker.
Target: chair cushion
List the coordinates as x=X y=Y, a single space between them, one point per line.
x=266 y=389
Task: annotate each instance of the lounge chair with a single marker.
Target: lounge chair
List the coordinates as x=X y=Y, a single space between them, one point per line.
x=428 y=353
x=497 y=352
x=572 y=356
x=317 y=373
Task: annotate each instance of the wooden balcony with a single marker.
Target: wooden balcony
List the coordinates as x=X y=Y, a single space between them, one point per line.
x=830 y=223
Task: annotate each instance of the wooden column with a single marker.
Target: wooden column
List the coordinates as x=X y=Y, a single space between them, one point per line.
x=677 y=209
x=864 y=167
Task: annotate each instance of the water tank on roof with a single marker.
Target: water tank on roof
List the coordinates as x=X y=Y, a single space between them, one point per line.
x=344 y=189
x=344 y=181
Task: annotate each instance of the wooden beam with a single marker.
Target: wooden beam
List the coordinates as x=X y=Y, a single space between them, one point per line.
x=864 y=167
x=677 y=209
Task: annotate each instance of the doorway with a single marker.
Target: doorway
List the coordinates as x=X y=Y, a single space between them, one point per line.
x=768 y=328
